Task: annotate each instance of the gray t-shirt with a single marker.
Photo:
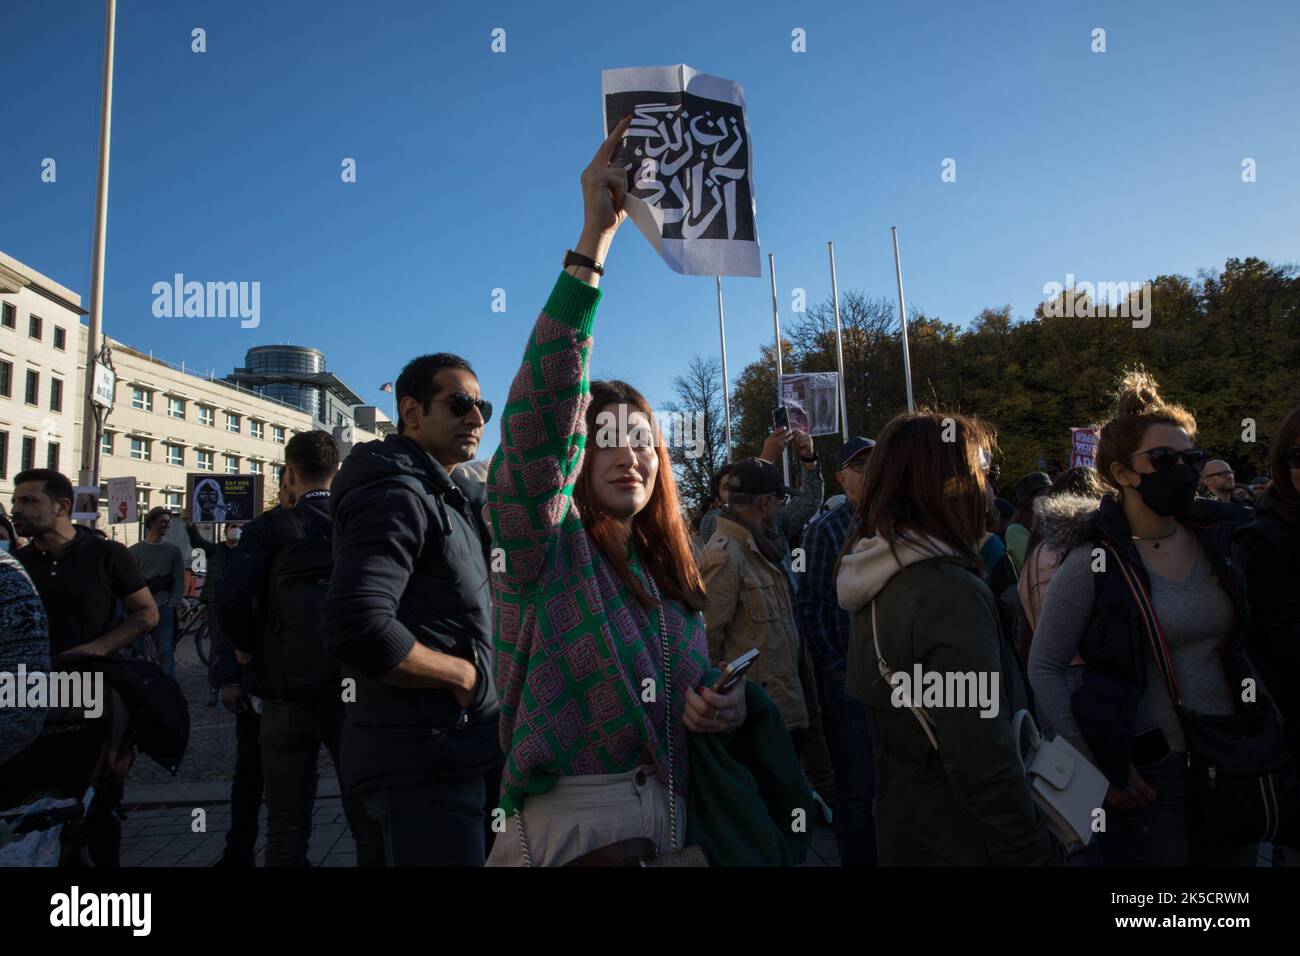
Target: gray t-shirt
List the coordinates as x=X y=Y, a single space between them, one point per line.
x=1197 y=616
x=156 y=560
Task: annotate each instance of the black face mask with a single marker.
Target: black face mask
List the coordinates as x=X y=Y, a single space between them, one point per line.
x=1169 y=493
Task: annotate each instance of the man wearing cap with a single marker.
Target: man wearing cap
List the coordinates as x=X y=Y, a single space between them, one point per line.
x=1258 y=486
x=163 y=568
x=751 y=594
x=803 y=504
x=826 y=627
x=1029 y=488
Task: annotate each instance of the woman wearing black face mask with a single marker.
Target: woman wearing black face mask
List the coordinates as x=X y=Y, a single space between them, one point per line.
x=1123 y=714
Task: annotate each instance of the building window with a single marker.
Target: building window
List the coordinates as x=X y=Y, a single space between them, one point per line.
x=232 y=422
x=6 y=379
x=254 y=467
x=276 y=472
x=256 y=428
x=141 y=398
x=207 y=415
x=29 y=453
x=277 y=434
x=33 y=387
x=56 y=394
x=52 y=455
x=60 y=338
x=204 y=459
x=106 y=444
x=34 y=327
x=173 y=500
x=176 y=408
x=4 y=454
x=8 y=316
x=175 y=455
x=140 y=449
x=232 y=464
x=142 y=501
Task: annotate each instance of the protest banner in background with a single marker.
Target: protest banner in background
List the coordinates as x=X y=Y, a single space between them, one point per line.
x=1083 y=453
x=813 y=401
x=224 y=497
x=121 y=501
x=85 y=504
x=690 y=169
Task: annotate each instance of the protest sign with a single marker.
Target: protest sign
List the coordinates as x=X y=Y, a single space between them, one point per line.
x=224 y=497
x=690 y=187
x=85 y=504
x=1083 y=453
x=121 y=501
x=813 y=401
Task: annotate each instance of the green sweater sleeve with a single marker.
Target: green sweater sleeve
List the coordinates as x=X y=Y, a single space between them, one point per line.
x=543 y=434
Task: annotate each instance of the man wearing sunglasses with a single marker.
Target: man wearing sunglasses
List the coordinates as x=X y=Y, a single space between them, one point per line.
x=1219 y=480
x=409 y=616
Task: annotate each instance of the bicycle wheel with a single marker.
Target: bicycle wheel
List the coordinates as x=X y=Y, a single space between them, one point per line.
x=203 y=641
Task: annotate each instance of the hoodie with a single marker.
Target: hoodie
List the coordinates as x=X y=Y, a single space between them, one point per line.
x=871 y=564
x=411 y=562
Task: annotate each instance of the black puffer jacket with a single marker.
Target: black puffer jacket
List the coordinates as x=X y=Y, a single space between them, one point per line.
x=1268 y=552
x=411 y=562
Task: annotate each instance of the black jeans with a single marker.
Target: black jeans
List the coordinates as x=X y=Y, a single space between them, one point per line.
x=291 y=736
x=246 y=788
x=849 y=740
x=442 y=824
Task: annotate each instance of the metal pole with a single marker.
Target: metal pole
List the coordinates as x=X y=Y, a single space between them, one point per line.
x=90 y=445
x=839 y=349
x=726 y=386
x=902 y=322
x=776 y=323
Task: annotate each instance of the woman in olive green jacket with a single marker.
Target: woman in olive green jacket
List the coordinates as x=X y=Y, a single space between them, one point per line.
x=950 y=789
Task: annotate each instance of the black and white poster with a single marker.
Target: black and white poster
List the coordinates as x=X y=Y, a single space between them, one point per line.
x=812 y=400
x=690 y=166
x=222 y=498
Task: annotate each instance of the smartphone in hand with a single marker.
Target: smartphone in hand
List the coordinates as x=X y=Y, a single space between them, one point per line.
x=781 y=417
x=734 y=672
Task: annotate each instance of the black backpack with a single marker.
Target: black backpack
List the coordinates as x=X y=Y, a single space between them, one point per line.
x=296 y=663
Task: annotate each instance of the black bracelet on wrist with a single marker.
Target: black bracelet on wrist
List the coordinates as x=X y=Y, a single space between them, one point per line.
x=809 y=461
x=578 y=259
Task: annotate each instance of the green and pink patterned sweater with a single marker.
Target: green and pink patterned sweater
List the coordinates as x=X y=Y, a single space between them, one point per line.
x=572 y=647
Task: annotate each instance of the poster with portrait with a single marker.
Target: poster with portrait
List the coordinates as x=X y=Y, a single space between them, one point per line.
x=812 y=400
x=85 y=503
x=690 y=166
x=221 y=498
x=121 y=501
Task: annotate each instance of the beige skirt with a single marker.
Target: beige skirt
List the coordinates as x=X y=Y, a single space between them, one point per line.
x=586 y=812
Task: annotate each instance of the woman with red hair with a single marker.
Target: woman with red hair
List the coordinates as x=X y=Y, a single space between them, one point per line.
x=599 y=641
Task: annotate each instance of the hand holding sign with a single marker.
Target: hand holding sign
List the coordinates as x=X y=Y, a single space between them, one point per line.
x=604 y=190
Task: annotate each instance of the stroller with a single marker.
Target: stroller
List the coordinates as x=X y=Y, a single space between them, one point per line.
x=60 y=799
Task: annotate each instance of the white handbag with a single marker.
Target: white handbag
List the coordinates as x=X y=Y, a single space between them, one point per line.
x=1066 y=786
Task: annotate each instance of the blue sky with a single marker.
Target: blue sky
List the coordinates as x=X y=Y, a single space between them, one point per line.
x=226 y=165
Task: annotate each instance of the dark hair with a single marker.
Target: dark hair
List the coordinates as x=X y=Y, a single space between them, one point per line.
x=153 y=515
x=53 y=484
x=658 y=531
x=313 y=455
x=1288 y=495
x=1138 y=406
x=917 y=483
x=10 y=533
x=416 y=380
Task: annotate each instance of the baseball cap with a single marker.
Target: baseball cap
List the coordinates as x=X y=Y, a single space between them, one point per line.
x=754 y=476
x=851 y=449
x=1032 y=482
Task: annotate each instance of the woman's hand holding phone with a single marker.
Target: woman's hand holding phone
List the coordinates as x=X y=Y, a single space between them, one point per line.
x=708 y=712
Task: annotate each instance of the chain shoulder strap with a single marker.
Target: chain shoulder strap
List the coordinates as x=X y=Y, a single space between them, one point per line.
x=668 y=713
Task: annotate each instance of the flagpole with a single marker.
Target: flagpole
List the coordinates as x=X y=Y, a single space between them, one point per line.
x=839 y=349
x=726 y=387
x=902 y=322
x=90 y=440
x=776 y=323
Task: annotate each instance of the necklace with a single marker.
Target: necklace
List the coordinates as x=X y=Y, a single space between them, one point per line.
x=1155 y=542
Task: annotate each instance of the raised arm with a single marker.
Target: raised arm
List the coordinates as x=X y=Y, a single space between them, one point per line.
x=530 y=481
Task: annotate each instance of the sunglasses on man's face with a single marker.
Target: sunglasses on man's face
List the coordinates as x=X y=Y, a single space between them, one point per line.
x=1292 y=457
x=1162 y=459
x=460 y=404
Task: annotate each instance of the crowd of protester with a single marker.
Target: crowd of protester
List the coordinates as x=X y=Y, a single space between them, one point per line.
x=527 y=666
